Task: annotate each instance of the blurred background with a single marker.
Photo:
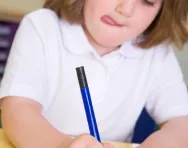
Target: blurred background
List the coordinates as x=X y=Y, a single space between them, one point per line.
x=12 y=11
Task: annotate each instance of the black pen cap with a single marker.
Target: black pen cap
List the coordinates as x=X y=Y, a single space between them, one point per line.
x=82 y=77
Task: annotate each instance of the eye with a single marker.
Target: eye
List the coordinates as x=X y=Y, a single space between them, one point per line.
x=150 y=3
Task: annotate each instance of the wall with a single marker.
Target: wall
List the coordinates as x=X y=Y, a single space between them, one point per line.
x=183 y=60
x=20 y=5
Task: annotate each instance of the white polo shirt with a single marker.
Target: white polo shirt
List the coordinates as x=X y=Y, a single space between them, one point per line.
x=42 y=63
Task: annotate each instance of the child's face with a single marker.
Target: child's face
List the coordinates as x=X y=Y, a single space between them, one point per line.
x=112 y=22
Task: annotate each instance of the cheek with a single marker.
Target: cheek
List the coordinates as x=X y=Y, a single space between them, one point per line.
x=94 y=9
x=143 y=20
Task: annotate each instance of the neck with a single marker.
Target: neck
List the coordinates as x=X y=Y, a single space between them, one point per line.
x=100 y=49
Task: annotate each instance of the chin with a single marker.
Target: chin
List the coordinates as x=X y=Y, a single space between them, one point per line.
x=109 y=43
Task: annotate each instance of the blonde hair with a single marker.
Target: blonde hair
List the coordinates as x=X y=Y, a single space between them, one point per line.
x=170 y=25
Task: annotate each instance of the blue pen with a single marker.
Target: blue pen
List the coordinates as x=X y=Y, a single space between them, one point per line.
x=87 y=103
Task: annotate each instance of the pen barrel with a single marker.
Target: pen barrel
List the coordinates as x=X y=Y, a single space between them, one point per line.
x=90 y=113
x=87 y=103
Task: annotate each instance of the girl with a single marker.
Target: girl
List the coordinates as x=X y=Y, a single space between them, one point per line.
x=125 y=47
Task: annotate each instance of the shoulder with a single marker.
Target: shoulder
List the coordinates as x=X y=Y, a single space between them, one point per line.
x=42 y=15
x=166 y=63
x=163 y=62
x=44 y=23
x=162 y=53
x=41 y=19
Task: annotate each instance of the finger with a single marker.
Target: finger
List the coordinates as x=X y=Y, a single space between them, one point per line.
x=107 y=145
x=91 y=142
x=85 y=141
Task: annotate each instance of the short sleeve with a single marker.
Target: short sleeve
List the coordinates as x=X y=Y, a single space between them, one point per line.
x=170 y=97
x=25 y=73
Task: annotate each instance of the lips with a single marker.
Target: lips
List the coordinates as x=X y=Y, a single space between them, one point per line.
x=109 y=21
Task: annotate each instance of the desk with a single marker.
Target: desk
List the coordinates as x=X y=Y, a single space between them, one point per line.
x=5 y=144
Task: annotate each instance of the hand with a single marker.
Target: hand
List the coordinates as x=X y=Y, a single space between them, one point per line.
x=86 y=141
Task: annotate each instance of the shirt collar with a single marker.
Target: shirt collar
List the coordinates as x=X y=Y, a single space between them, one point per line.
x=76 y=42
x=75 y=39
x=129 y=50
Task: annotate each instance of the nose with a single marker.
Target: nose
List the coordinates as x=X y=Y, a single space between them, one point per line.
x=126 y=7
